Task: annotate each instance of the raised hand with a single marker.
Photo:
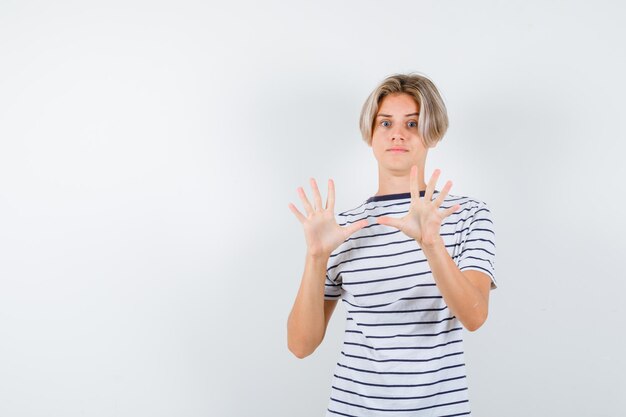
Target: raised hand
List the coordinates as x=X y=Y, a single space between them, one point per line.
x=424 y=218
x=321 y=231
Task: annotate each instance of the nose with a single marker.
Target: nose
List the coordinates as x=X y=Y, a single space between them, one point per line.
x=397 y=134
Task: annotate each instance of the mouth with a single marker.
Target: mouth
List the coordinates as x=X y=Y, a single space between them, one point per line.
x=397 y=150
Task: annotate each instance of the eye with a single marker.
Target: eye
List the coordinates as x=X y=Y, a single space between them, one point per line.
x=385 y=123
x=412 y=124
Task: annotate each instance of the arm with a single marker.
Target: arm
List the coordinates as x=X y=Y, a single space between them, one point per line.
x=466 y=293
x=310 y=314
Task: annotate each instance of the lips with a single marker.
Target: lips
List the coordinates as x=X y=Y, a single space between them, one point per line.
x=397 y=149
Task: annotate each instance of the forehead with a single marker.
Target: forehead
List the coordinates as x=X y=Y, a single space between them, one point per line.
x=398 y=103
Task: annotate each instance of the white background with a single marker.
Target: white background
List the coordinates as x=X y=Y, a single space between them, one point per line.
x=149 y=150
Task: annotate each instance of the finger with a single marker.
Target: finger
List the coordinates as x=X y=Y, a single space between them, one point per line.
x=451 y=210
x=413 y=184
x=305 y=201
x=330 y=201
x=389 y=221
x=430 y=187
x=355 y=226
x=317 y=197
x=443 y=193
x=295 y=211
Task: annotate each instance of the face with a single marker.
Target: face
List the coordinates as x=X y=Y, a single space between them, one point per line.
x=396 y=142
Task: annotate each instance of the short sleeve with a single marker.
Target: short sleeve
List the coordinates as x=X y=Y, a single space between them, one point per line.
x=332 y=290
x=478 y=250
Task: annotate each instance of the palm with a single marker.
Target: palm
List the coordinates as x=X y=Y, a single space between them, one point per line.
x=423 y=221
x=321 y=231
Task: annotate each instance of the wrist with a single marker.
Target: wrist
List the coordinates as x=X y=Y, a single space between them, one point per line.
x=317 y=256
x=432 y=244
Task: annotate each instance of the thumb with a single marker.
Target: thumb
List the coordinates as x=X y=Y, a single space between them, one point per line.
x=451 y=210
x=356 y=226
x=389 y=221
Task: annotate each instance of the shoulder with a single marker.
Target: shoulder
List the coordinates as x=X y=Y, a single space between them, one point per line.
x=473 y=213
x=354 y=211
x=473 y=216
x=469 y=205
x=352 y=215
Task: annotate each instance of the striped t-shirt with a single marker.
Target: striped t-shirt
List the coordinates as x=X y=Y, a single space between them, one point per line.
x=402 y=353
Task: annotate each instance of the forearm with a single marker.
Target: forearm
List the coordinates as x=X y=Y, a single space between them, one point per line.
x=306 y=323
x=461 y=296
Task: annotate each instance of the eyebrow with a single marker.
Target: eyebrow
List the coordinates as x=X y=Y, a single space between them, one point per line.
x=388 y=115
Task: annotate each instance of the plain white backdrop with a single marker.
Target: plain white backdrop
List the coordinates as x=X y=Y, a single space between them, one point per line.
x=149 y=150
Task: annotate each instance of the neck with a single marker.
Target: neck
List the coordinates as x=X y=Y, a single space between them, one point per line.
x=398 y=182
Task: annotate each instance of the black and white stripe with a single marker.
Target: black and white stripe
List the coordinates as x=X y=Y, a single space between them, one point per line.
x=402 y=353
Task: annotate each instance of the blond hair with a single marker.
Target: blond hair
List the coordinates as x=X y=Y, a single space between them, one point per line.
x=432 y=122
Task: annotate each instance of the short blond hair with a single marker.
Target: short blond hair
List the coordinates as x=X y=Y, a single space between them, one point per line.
x=432 y=122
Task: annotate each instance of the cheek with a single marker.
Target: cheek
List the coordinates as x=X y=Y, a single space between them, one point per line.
x=377 y=149
x=372 y=144
x=377 y=140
